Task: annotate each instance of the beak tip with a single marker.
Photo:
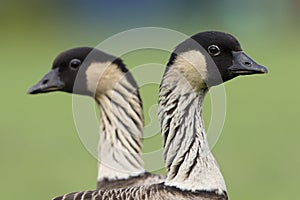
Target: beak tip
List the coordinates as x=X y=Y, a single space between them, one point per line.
x=30 y=90
x=266 y=71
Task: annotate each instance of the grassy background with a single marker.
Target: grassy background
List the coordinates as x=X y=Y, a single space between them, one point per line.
x=41 y=154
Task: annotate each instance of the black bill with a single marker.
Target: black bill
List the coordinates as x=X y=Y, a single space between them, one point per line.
x=50 y=82
x=243 y=65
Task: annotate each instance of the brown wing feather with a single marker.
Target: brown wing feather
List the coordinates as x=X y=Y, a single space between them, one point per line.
x=150 y=192
x=144 y=179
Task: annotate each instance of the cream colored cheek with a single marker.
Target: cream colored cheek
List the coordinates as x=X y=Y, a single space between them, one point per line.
x=102 y=77
x=192 y=65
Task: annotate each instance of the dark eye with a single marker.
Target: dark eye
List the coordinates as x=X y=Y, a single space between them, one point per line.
x=74 y=64
x=214 y=50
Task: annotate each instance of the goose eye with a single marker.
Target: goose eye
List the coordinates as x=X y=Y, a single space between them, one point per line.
x=74 y=64
x=214 y=50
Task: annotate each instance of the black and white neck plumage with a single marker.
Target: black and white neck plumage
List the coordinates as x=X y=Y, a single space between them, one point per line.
x=204 y=60
x=89 y=71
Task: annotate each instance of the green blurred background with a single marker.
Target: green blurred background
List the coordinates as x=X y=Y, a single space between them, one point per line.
x=41 y=153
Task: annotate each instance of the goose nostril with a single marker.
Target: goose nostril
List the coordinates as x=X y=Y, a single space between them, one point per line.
x=45 y=82
x=247 y=63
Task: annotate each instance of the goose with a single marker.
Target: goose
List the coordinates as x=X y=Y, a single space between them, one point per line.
x=78 y=71
x=203 y=61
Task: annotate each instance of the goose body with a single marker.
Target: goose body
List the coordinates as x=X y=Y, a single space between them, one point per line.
x=91 y=72
x=146 y=192
x=145 y=178
x=204 y=60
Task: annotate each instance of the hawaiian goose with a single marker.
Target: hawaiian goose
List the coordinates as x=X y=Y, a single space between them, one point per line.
x=79 y=71
x=204 y=60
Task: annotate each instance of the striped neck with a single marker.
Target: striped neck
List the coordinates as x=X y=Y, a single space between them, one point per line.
x=121 y=128
x=189 y=161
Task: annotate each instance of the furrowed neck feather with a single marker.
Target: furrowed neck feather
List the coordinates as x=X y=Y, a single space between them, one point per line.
x=189 y=161
x=121 y=127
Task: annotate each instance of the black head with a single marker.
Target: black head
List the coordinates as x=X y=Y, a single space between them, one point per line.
x=225 y=58
x=70 y=66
